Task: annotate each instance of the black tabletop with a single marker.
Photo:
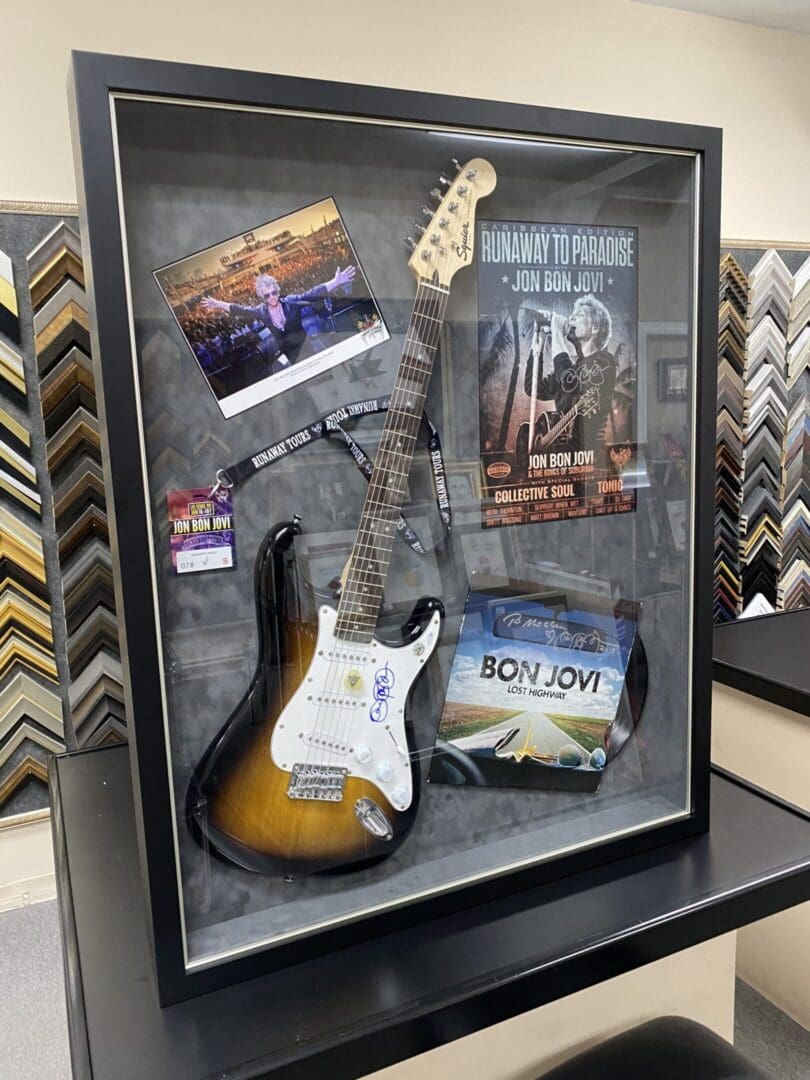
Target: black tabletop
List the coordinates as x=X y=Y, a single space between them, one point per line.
x=768 y=657
x=346 y=1014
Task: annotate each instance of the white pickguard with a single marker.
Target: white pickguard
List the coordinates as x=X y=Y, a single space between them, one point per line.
x=349 y=711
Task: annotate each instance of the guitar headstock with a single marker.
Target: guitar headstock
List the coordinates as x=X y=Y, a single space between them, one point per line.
x=446 y=243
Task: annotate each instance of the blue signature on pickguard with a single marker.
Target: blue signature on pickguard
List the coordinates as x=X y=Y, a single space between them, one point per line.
x=384 y=679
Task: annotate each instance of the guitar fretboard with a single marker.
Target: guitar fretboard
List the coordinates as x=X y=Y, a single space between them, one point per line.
x=363 y=590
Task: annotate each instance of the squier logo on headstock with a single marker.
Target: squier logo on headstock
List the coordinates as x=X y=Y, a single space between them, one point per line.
x=464 y=249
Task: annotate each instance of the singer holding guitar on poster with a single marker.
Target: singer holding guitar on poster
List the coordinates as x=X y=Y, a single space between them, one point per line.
x=569 y=358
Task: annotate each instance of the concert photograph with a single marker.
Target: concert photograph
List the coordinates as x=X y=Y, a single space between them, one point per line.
x=274 y=306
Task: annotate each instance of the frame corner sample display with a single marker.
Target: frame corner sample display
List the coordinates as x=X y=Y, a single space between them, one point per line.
x=416 y=612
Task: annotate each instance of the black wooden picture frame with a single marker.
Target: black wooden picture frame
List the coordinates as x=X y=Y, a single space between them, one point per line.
x=94 y=78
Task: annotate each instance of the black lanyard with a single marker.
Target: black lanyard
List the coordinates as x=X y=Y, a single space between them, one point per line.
x=331 y=426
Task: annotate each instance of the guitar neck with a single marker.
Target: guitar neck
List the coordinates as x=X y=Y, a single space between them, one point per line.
x=362 y=592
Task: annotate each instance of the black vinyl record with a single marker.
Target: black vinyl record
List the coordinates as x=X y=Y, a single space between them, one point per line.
x=632 y=700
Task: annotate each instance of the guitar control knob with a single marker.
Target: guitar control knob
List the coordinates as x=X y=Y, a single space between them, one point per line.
x=399 y=797
x=384 y=771
x=362 y=753
x=373 y=820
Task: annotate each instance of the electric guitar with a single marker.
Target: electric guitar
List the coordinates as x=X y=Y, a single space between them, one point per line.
x=548 y=431
x=315 y=768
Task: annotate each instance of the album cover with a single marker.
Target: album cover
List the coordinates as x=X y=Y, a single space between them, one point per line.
x=557 y=342
x=273 y=306
x=536 y=683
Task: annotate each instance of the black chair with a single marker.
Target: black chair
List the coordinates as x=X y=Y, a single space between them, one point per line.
x=670 y=1048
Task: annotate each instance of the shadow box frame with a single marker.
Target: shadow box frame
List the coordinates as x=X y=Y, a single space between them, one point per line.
x=94 y=82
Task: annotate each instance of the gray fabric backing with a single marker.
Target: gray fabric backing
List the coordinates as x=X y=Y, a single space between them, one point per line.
x=193 y=177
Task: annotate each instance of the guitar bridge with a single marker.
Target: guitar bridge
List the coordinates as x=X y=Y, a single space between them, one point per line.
x=321 y=783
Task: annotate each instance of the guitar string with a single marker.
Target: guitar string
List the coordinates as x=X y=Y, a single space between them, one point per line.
x=417 y=337
x=368 y=610
x=369 y=548
x=341 y=721
x=377 y=551
x=423 y=344
x=336 y=723
x=418 y=342
x=328 y=715
x=341 y=670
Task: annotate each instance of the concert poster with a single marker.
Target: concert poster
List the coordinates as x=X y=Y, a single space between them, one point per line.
x=273 y=306
x=557 y=341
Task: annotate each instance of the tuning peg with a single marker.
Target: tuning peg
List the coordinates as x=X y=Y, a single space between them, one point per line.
x=436 y=194
x=410 y=242
x=427 y=211
x=444 y=222
x=470 y=174
x=452 y=207
x=444 y=181
x=416 y=225
x=455 y=162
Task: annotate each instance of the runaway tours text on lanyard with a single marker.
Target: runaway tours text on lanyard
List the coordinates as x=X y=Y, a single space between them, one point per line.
x=331 y=426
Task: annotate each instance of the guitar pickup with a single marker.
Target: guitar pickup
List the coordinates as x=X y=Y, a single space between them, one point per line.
x=324 y=741
x=318 y=783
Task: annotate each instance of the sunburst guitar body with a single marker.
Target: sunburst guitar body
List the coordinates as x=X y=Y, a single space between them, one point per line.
x=316 y=770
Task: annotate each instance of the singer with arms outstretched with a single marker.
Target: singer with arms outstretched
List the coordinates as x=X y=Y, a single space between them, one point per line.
x=282 y=315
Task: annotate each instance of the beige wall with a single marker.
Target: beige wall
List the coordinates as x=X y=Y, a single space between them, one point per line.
x=608 y=55
x=769 y=746
x=762 y=742
x=26 y=860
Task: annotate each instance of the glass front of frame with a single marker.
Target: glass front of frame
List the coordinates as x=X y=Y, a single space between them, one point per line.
x=325 y=763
